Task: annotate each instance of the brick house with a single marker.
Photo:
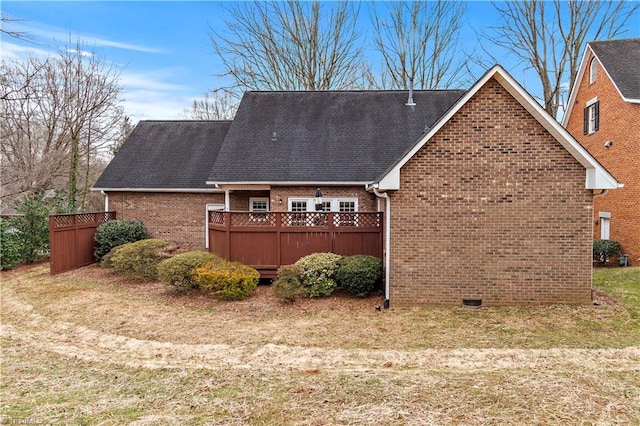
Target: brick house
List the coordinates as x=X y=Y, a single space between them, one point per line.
x=603 y=114
x=485 y=197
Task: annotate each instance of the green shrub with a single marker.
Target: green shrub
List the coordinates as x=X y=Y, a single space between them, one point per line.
x=177 y=271
x=9 y=244
x=33 y=228
x=603 y=250
x=116 y=233
x=359 y=274
x=226 y=280
x=287 y=285
x=139 y=260
x=318 y=271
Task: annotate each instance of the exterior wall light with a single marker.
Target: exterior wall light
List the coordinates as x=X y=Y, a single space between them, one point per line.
x=318 y=200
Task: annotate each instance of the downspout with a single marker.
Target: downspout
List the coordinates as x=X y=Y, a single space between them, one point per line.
x=387 y=242
x=226 y=201
x=601 y=194
x=106 y=201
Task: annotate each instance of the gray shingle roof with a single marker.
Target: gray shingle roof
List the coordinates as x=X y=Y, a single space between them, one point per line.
x=328 y=136
x=621 y=59
x=166 y=155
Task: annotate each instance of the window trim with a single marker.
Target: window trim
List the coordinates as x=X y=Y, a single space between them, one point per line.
x=591 y=116
x=593 y=70
x=335 y=203
x=258 y=199
x=605 y=225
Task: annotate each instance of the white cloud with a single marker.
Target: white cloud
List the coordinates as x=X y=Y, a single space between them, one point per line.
x=36 y=30
x=13 y=51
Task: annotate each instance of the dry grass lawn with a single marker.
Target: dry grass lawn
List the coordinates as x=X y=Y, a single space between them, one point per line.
x=86 y=347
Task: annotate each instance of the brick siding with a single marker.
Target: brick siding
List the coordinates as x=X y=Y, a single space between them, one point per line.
x=491 y=208
x=619 y=123
x=176 y=217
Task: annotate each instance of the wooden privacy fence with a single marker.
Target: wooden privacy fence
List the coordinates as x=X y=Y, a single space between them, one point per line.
x=71 y=239
x=267 y=241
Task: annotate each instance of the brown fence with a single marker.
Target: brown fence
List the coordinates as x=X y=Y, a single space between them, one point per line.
x=71 y=239
x=267 y=241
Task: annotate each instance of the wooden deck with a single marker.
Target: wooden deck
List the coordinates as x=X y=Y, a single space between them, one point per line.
x=266 y=241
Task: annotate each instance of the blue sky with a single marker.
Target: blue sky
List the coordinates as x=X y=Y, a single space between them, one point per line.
x=162 y=48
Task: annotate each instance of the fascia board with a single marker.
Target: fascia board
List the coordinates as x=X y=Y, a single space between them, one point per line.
x=186 y=190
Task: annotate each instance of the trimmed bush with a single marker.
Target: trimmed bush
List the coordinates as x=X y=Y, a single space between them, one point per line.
x=9 y=244
x=359 y=274
x=226 y=280
x=603 y=250
x=287 y=286
x=139 y=260
x=318 y=271
x=115 y=233
x=177 y=271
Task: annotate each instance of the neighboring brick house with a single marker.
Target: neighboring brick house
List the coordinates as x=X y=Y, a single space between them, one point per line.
x=485 y=196
x=603 y=114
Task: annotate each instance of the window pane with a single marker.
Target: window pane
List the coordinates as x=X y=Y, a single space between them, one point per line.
x=347 y=206
x=298 y=206
x=259 y=206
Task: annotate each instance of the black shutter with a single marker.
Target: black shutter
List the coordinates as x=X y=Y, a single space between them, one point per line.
x=596 y=116
x=585 y=121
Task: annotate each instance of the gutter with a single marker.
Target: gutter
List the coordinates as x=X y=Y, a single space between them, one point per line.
x=387 y=240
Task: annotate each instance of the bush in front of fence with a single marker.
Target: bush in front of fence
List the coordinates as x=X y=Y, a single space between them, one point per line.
x=9 y=244
x=177 y=271
x=288 y=286
x=115 y=233
x=359 y=274
x=318 y=272
x=140 y=260
x=227 y=280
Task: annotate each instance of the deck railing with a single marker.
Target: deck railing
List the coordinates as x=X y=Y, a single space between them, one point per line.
x=268 y=240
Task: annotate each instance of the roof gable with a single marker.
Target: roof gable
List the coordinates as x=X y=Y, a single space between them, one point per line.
x=620 y=60
x=165 y=155
x=347 y=137
x=597 y=177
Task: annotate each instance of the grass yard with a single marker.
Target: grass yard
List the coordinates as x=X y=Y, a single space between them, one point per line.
x=86 y=347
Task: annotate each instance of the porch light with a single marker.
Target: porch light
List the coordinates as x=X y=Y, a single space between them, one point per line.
x=318 y=200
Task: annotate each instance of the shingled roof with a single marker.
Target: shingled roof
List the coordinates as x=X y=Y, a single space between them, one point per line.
x=621 y=60
x=326 y=136
x=162 y=155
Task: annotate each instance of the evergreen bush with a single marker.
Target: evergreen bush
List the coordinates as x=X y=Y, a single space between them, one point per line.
x=359 y=274
x=9 y=244
x=287 y=286
x=139 y=260
x=226 y=280
x=177 y=271
x=603 y=250
x=318 y=271
x=115 y=233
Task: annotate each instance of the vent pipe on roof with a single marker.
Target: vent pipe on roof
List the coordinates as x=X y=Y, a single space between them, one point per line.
x=410 y=100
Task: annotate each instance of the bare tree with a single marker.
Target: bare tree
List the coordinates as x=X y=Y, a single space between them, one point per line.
x=57 y=117
x=5 y=21
x=220 y=105
x=290 y=45
x=419 y=40
x=550 y=37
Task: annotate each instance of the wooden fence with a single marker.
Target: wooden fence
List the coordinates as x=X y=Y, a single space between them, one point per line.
x=267 y=241
x=71 y=239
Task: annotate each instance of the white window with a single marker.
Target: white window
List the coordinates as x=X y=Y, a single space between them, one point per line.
x=591 y=117
x=328 y=205
x=297 y=205
x=258 y=204
x=605 y=224
x=593 y=71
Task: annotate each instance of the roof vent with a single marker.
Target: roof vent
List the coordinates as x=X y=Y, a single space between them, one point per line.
x=274 y=136
x=410 y=100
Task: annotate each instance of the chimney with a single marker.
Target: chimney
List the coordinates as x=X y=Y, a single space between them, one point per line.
x=410 y=100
